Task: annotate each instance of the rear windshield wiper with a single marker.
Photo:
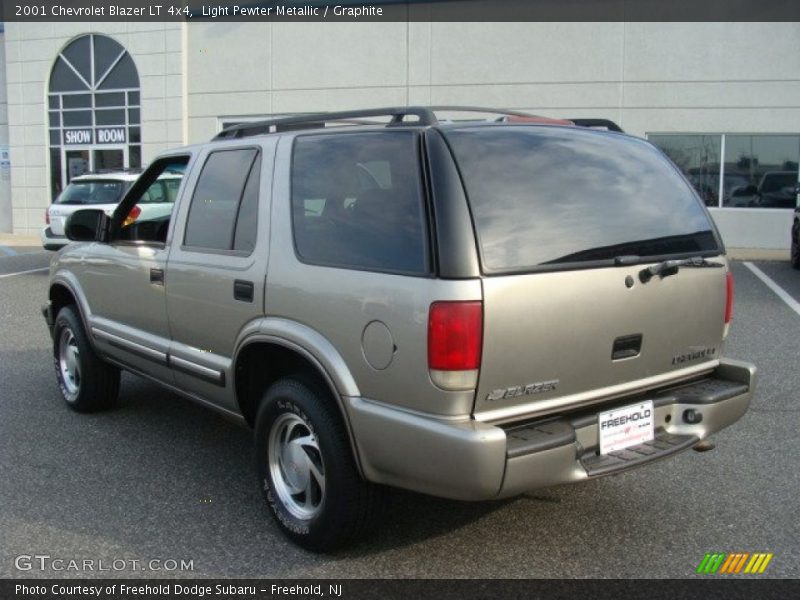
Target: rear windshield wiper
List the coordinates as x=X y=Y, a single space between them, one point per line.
x=670 y=267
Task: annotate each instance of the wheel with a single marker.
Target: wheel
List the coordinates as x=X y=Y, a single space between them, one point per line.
x=87 y=382
x=306 y=467
x=796 y=245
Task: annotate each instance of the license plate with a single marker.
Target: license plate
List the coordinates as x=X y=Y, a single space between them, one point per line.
x=625 y=427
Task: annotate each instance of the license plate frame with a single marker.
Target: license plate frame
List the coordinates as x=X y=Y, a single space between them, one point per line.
x=626 y=426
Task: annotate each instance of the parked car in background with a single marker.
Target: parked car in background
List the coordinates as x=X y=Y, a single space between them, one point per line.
x=795 y=243
x=777 y=189
x=104 y=191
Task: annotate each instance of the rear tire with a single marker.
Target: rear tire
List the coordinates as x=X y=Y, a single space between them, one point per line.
x=86 y=381
x=795 y=254
x=306 y=467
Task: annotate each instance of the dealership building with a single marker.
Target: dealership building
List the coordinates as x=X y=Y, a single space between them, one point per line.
x=721 y=99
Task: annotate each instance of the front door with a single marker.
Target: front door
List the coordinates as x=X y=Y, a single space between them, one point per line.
x=79 y=160
x=125 y=277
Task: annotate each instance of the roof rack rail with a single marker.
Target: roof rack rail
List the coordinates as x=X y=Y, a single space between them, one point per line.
x=424 y=116
x=107 y=171
x=598 y=124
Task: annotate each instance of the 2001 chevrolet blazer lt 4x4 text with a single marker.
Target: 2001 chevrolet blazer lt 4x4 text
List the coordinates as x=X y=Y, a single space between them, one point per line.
x=469 y=309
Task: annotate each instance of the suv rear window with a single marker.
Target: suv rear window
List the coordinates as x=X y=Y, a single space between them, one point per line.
x=93 y=192
x=357 y=201
x=558 y=195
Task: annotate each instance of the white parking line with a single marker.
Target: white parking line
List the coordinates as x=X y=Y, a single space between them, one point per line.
x=25 y=272
x=782 y=294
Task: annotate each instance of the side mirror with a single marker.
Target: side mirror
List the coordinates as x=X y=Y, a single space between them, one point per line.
x=87 y=225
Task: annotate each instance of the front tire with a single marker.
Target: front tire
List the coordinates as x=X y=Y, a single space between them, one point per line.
x=795 y=255
x=87 y=382
x=306 y=467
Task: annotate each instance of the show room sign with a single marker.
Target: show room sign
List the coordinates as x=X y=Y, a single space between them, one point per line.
x=101 y=135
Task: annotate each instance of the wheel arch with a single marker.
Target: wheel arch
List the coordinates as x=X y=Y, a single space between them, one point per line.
x=64 y=291
x=266 y=354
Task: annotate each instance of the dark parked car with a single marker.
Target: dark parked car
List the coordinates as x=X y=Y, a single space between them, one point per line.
x=777 y=189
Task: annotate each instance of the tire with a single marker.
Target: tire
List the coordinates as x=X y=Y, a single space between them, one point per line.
x=306 y=467
x=87 y=382
x=795 y=254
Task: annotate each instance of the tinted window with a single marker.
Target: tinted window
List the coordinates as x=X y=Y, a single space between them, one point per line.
x=559 y=195
x=215 y=203
x=357 y=201
x=247 y=221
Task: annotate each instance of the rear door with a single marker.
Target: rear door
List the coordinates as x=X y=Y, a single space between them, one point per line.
x=217 y=267
x=566 y=221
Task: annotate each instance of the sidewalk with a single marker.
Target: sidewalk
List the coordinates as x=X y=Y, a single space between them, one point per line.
x=757 y=254
x=20 y=239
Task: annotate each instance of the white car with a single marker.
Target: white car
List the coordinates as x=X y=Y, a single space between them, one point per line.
x=104 y=191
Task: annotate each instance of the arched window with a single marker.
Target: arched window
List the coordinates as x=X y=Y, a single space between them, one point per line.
x=93 y=110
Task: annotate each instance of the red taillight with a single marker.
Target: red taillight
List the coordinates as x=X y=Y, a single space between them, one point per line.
x=728 y=298
x=47 y=216
x=455 y=334
x=132 y=216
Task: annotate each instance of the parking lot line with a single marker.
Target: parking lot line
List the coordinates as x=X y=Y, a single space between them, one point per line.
x=781 y=293
x=24 y=272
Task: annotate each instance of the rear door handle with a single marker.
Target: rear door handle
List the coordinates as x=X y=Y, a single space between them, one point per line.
x=157 y=276
x=243 y=290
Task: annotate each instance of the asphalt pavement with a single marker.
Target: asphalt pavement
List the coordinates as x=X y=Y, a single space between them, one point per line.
x=162 y=478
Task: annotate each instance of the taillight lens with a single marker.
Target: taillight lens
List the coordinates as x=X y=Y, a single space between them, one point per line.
x=455 y=337
x=132 y=216
x=47 y=216
x=728 y=298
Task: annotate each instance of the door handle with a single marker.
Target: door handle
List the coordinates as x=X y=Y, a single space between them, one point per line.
x=157 y=276
x=243 y=290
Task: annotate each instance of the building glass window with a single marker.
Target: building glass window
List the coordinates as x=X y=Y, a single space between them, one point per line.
x=737 y=170
x=761 y=170
x=93 y=102
x=698 y=156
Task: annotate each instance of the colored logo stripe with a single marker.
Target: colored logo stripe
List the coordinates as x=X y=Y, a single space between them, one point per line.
x=732 y=563
x=759 y=562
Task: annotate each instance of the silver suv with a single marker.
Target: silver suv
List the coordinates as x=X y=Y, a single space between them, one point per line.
x=464 y=308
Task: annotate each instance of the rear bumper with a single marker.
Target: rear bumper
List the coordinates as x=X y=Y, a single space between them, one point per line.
x=51 y=241
x=470 y=460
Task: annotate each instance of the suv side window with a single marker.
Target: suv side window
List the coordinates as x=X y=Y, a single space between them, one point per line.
x=224 y=209
x=357 y=202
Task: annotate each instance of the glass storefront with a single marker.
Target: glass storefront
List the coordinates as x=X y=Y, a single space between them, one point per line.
x=756 y=170
x=93 y=110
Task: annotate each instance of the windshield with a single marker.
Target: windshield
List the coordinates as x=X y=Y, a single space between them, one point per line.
x=93 y=192
x=554 y=195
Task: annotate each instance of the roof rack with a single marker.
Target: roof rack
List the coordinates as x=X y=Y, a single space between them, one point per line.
x=426 y=116
x=130 y=170
x=598 y=124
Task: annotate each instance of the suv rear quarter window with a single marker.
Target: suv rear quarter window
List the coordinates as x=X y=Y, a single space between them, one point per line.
x=357 y=201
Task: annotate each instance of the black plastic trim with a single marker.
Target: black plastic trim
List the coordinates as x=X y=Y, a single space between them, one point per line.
x=662 y=445
x=456 y=245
